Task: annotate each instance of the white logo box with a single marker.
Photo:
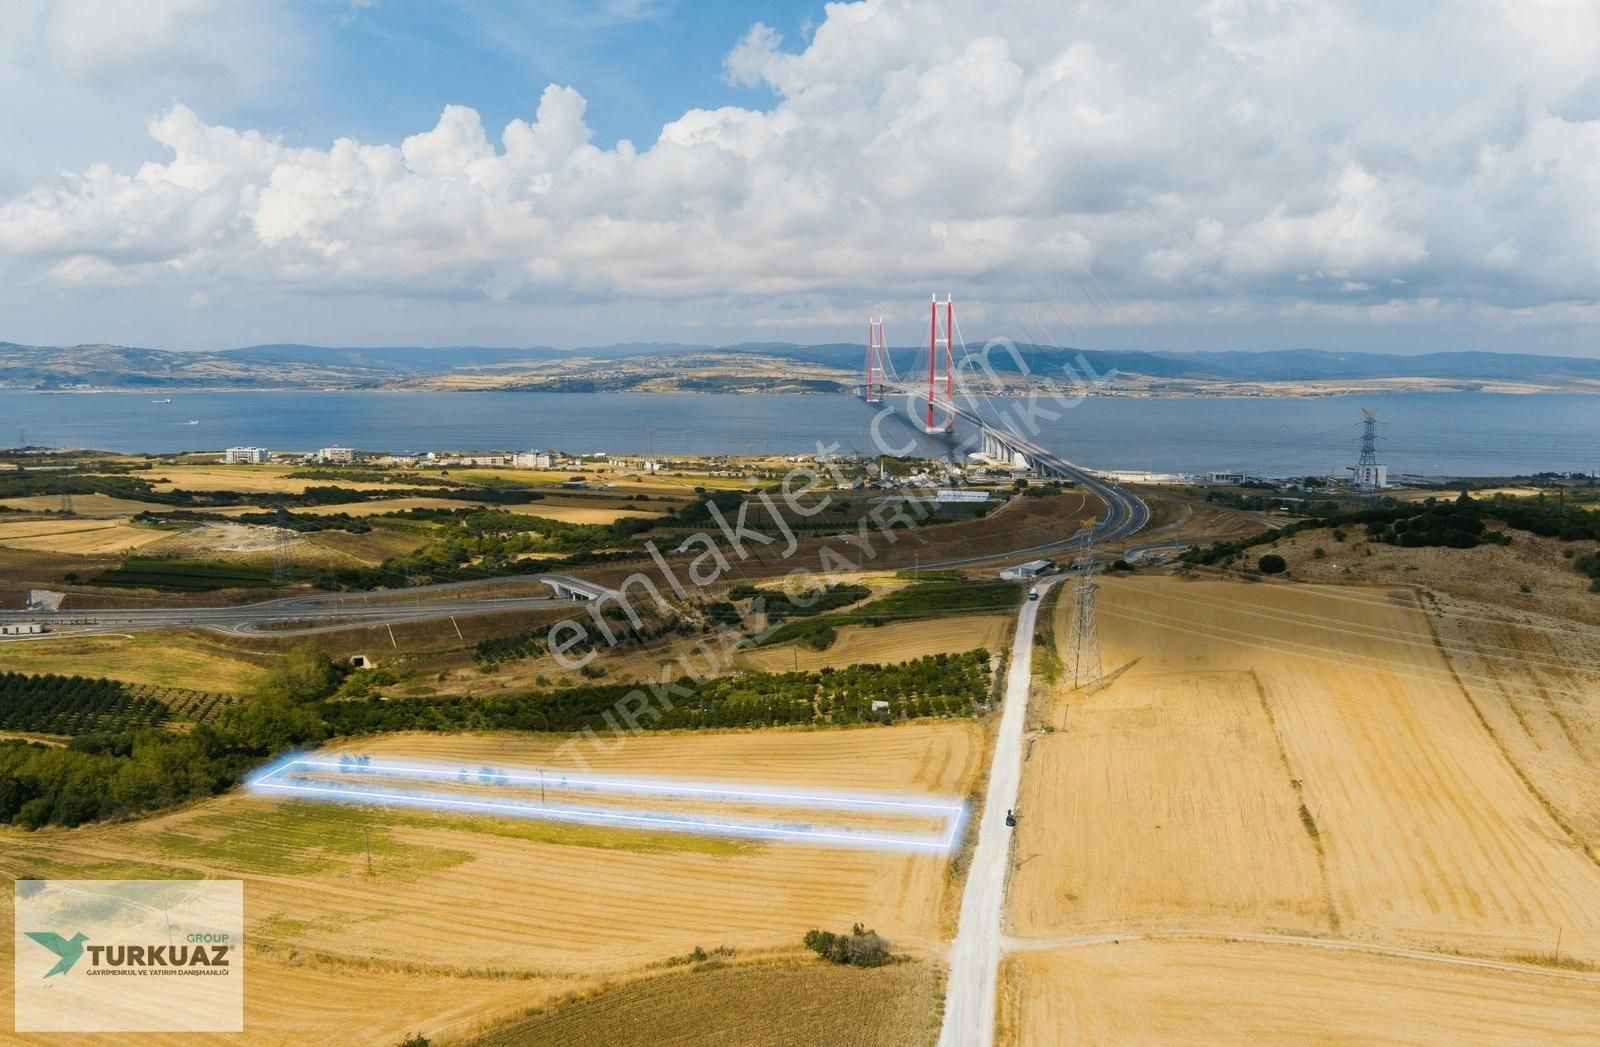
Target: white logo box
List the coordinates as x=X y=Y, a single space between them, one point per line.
x=129 y=956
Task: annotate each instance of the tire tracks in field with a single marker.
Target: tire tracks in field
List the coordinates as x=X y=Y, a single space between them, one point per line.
x=1020 y=945
x=1313 y=830
x=1505 y=753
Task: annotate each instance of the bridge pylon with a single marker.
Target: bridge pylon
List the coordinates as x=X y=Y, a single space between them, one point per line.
x=941 y=338
x=877 y=350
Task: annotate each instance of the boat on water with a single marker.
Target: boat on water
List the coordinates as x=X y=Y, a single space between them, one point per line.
x=168 y=400
x=192 y=421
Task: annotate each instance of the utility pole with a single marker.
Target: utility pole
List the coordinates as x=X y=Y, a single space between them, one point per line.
x=1085 y=657
x=366 y=839
x=64 y=481
x=283 y=555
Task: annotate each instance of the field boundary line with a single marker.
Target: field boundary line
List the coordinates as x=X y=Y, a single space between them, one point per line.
x=1023 y=945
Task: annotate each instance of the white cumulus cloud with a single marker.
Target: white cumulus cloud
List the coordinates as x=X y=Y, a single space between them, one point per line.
x=1250 y=158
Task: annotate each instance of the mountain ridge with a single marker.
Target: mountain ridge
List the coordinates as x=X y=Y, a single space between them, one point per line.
x=741 y=366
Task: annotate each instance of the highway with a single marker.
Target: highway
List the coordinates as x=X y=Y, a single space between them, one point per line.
x=969 y=1009
x=313 y=612
x=1126 y=513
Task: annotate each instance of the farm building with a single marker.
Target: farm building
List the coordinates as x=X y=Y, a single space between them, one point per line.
x=1031 y=569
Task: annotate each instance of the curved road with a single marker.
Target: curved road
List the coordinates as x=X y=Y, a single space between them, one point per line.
x=308 y=613
x=1126 y=513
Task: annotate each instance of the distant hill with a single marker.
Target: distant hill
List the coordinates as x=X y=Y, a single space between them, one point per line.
x=743 y=367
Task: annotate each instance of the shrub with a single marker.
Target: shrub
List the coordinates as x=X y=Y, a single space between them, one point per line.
x=821 y=638
x=1272 y=563
x=859 y=948
x=1319 y=553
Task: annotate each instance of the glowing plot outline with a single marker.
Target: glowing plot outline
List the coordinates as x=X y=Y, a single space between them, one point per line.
x=277 y=779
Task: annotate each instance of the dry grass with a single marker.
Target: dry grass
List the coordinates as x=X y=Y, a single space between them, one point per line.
x=1489 y=574
x=192 y=661
x=246 y=479
x=77 y=537
x=897 y=642
x=758 y=1006
x=466 y=921
x=371 y=548
x=94 y=506
x=1430 y=836
x=1535 y=679
x=1203 y=992
x=1162 y=801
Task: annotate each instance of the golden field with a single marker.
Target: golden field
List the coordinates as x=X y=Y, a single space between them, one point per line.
x=247 y=479
x=465 y=922
x=1232 y=992
x=896 y=642
x=1311 y=762
x=77 y=537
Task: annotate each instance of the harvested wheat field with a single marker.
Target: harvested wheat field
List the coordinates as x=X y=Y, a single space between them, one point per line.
x=747 y=1006
x=1429 y=836
x=83 y=505
x=1163 y=802
x=464 y=921
x=80 y=537
x=897 y=642
x=247 y=479
x=1215 y=992
x=1535 y=679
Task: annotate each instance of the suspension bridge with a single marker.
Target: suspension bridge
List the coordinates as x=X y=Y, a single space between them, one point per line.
x=947 y=399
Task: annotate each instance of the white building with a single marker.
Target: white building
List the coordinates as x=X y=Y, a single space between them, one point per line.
x=23 y=629
x=1369 y=477
x=1225 y=478
x=246 y=456
x=533 y=460
x=336 y=454
x=1031 y=569
x=958 y=495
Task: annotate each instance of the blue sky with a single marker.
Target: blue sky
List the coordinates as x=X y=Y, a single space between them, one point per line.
x=387 y=69
x=1242 y=174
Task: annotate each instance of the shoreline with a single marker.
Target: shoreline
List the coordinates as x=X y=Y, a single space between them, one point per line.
x=1251 y=391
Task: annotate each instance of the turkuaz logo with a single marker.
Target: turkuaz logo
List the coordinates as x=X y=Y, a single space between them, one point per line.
x=202 y=951
x=69 y=950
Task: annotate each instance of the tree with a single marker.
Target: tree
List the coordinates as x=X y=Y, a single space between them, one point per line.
x=303 y=675
x=1272 y=563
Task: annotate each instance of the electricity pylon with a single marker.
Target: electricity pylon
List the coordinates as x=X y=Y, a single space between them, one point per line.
x=283 y=556
x=1085 y=658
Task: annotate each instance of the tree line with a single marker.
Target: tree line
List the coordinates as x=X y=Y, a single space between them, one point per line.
x=305 y=699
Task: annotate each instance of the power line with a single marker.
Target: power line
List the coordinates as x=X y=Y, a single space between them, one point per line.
x=282 y=553
x=1086 y=667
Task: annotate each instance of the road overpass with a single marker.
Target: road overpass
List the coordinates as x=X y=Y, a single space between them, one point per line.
x=310 y=613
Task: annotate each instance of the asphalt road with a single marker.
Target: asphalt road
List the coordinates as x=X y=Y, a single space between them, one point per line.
x=308 y=613
x=969 y=1009
x=1126 y=515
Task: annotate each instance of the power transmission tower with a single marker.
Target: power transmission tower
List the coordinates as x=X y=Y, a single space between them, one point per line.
x=1369 y=475
x=1085 y=659
x=1369 y=438
x=283 y=555
x=64 y=481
